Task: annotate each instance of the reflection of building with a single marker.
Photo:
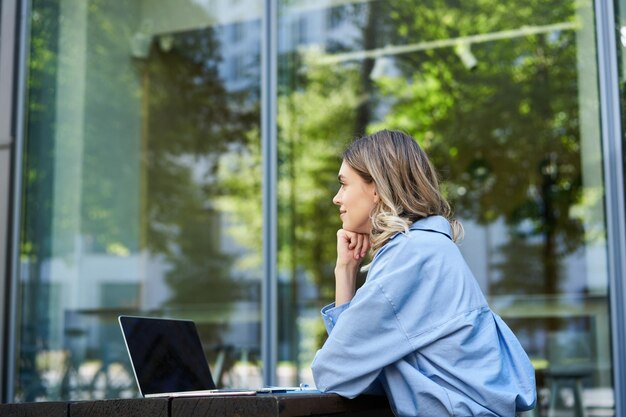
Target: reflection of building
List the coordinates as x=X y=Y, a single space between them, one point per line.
x=134 y=162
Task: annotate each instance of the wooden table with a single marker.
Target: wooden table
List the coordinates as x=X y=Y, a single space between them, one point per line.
x=262 y=405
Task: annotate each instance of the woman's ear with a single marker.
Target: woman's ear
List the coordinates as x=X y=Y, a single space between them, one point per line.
x=375 y=196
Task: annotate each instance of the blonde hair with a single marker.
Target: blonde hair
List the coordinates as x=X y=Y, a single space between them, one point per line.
x=406 y=183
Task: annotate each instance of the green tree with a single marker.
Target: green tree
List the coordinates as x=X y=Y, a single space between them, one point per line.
x=505 y=134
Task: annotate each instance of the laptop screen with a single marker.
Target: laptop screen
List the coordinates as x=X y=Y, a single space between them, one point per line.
x=166 y=355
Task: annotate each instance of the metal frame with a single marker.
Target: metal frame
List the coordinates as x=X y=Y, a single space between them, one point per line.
x=20 y=64
x=269 y=144
x=8 y=21
x=612 y=153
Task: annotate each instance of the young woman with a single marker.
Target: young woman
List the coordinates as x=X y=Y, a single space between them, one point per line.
x=419 y=329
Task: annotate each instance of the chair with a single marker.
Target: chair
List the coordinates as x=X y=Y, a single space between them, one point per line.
x=570 y=363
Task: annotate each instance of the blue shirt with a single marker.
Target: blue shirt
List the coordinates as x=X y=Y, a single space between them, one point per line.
x=420 y=331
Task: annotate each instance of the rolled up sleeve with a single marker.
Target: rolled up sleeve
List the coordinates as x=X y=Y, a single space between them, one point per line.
x=330 y=315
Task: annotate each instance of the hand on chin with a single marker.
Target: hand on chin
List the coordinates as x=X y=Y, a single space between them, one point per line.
x=351 y=247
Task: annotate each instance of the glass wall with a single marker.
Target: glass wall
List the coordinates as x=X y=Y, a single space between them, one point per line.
x=142 y=179
x=142 y=190
x=504 y=98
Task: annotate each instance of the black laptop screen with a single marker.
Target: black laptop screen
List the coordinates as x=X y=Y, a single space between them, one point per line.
x=167 y=355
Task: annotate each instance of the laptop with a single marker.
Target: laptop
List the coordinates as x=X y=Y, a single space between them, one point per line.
x=168 y=359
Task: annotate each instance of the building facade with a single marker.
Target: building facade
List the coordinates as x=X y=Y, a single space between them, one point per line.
x=178 y=159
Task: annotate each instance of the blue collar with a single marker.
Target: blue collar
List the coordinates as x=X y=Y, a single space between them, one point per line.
x=436 y=223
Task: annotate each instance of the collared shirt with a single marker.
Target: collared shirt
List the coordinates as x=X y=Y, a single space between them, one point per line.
x=420 y=331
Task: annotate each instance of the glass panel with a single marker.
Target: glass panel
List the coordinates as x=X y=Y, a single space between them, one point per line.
x=503 y=96
x=142 y=189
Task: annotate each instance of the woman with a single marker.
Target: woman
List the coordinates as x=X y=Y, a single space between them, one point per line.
x=419 y=329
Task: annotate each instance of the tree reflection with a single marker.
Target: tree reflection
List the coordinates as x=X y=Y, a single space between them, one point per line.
x=505 y=134
x=315 y=120
x=196 y=130
x=190 y=120
x=152 y=143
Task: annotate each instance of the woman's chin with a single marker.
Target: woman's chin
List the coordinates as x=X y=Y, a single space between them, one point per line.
x=360 y=230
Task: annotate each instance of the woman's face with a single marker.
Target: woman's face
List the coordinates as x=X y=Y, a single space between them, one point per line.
x=356 y=200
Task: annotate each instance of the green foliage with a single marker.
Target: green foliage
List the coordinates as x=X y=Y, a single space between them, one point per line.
x=200 y=139
x=505 y=135
x=315 y=121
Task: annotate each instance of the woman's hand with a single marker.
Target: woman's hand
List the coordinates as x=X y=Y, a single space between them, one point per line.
x=351 y=249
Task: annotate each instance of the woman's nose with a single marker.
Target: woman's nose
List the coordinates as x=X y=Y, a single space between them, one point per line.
x=336 y=199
